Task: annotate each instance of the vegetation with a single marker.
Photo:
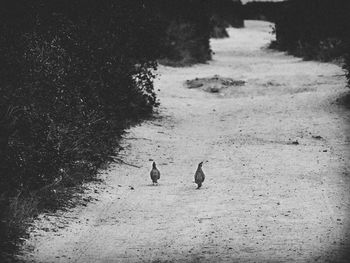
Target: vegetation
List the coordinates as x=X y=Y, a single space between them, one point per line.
x=315 y=29
x=268 y=11
x=72 y=78
x=186 y=31
x=346 y=65
x=227 y=13
x=188 y=25
x=74 y=74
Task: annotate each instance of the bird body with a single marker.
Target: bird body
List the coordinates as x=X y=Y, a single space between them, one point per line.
x=155 y=174
x=199 y=176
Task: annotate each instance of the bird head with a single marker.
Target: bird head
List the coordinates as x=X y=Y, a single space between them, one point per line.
x=154 y=164
x=200 y=164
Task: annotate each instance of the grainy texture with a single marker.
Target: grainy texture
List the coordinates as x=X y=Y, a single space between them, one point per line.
x=277 y=180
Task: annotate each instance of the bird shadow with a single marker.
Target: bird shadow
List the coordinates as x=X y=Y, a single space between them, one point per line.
x=190 y=188
x=154 y=185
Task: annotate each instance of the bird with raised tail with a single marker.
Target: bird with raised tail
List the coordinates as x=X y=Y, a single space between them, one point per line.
x=199 y=175
x=155 y=174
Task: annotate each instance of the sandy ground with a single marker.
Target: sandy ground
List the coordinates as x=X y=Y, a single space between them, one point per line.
x=266 y=198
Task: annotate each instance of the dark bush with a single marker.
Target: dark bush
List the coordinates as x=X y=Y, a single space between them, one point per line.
x=313 y=29
x=223 y=14
x=346 y=65
x=268 y=11
x=186 y=25
x=72 y=77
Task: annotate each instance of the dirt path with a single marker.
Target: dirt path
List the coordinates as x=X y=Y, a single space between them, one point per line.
x=265 y=198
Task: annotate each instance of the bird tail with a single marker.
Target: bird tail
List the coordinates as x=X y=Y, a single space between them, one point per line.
x=199 y=185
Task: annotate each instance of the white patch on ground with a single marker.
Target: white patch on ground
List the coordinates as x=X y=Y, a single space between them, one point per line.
x=265 y=198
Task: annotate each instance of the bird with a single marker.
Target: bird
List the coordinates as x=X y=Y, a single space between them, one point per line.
x=199 y=175
x=155 y=174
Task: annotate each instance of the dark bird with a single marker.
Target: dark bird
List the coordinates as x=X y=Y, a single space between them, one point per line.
x=155 y=174
x=199 y=176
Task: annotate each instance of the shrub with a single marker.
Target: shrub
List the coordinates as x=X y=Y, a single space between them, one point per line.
x=346 y=65
x=313 y=29
x=187 y=31
x=264 y=10
x=73 y=76
x=187 y=26
x=223 y=14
